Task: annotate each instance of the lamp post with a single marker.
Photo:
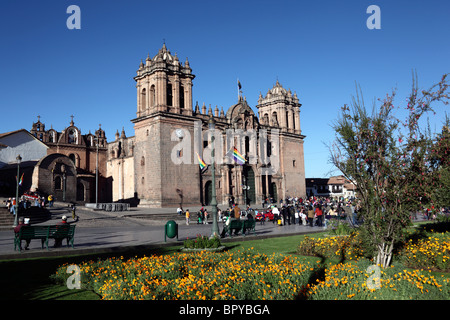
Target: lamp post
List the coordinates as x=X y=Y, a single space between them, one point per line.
x=215 y=226
x=63 y=169
x=18 y=158
x=96 y=174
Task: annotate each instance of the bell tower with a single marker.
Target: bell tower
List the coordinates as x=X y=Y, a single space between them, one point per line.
x=164 y=108
x=164 y=85
x=280 y=109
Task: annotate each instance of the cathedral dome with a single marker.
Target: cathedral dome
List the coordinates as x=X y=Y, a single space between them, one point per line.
x=278 y=89
x=164 y=55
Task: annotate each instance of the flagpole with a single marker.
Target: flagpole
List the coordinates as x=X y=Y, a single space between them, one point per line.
x=18 y=158
x=238 y=87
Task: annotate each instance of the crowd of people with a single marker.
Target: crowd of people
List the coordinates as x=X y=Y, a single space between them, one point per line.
x=28 y=200
x=312 y=211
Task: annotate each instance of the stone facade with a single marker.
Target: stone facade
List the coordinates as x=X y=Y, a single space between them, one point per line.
x=160 y=161
x=81 y=149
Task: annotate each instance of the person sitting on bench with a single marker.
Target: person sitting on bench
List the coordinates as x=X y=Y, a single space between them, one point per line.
x=61 y=225
x=21 y=225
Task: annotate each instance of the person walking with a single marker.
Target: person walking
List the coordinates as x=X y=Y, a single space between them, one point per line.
x=50 y=200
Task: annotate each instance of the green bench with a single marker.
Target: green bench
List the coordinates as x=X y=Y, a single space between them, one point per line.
x=234 y=225
x=64 y=231
x=249 y=225
x=44 y=233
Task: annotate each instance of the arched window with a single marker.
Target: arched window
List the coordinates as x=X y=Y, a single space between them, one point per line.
x=287 y=119
x=266 y=119
x=169 y=95
x=72 y=136
x=73 y=158
x=143 y=99
x=152 y=96
x=58 y=183
x=293 y=120
x=274 y=119
x=143 y=161
x=181 y=96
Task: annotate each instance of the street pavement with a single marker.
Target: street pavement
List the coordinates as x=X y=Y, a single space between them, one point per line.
x=101 y=231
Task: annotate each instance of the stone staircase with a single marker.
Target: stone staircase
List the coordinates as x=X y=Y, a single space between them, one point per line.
x=36 y=215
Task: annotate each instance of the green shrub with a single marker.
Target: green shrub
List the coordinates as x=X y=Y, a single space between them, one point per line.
x=202 y=242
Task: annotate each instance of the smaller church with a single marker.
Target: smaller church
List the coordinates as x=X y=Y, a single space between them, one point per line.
x=62 y=163
x=69 y=169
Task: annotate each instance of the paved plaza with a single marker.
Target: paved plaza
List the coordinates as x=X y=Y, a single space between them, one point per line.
x=101 y=231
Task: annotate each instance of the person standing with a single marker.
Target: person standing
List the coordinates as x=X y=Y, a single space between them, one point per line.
x=296 y=217
x=188 y=216
x=319 y=215
x=310 y=215
x=50 y=200
x=237 y=212
x=205 y=213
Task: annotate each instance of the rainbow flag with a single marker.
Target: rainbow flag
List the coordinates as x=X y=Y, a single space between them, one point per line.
x=21 y=180
x=238 y=157
x=201 y=162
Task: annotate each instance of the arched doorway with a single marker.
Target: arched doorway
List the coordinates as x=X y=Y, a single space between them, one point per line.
x=208 y=193
x=80 y=192
x=250 y=183
x=273 y=191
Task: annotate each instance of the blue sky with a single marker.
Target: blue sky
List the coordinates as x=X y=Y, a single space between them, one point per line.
x=318 y=49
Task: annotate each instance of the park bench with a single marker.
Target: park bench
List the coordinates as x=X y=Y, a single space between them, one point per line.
x=29 y=233
x=44 y=233
x=235 y=225
x=63 y=231
x=249 y=225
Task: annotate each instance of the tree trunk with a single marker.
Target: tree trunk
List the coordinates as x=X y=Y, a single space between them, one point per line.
x=384 y=255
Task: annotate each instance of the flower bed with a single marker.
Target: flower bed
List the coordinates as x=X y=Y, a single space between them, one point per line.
x=430 y=253
x=204 y=275
x=334 y=247
x=345 y=281
x=249 y=275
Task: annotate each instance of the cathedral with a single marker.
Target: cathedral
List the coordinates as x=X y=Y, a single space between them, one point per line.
x=168 y=162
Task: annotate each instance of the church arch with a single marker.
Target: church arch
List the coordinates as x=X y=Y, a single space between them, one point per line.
x=208 y=192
